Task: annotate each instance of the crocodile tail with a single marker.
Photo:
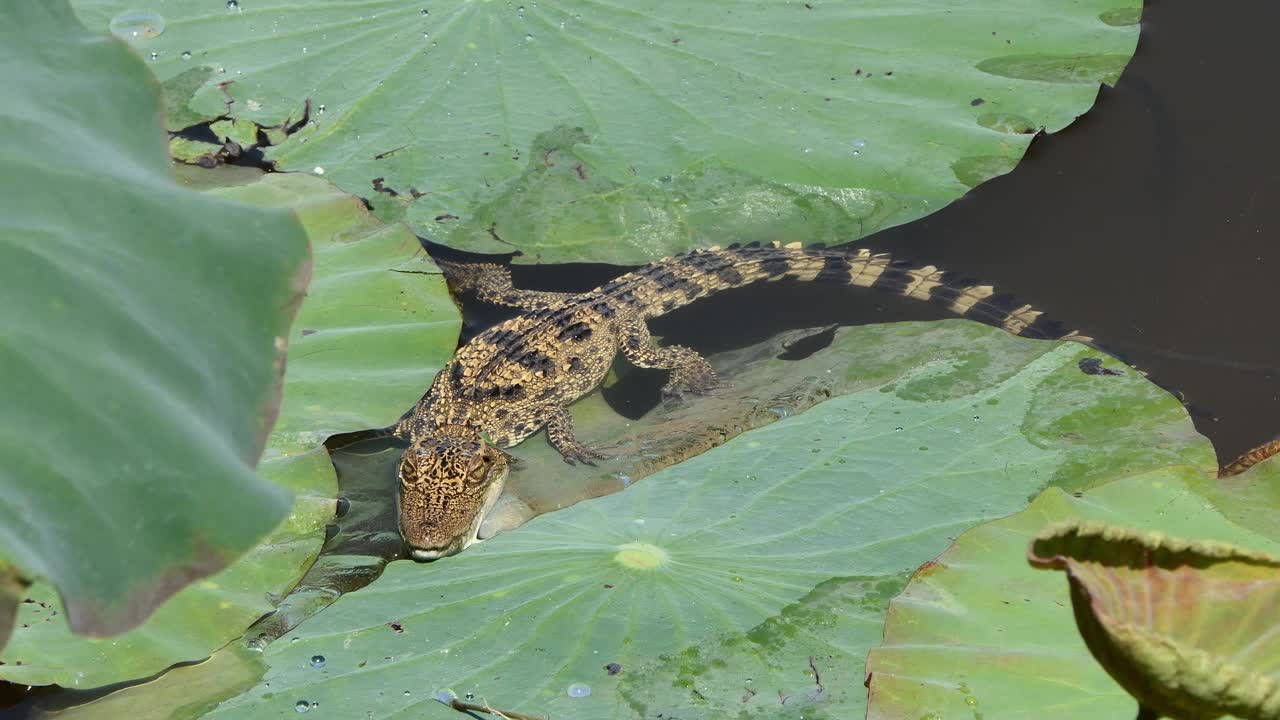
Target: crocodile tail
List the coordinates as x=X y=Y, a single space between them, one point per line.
x=671 y=283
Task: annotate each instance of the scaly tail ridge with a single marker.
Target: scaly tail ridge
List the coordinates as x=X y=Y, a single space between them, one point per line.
x=673 y=282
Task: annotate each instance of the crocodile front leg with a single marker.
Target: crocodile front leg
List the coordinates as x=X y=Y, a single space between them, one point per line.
x=690 y=372
x=560 y=433
x=492 y=284
x=514 y=429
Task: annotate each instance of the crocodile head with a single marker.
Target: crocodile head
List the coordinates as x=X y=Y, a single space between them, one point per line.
x=449 y=479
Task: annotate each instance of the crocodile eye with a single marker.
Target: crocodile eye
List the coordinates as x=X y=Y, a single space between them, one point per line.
x=477 y=476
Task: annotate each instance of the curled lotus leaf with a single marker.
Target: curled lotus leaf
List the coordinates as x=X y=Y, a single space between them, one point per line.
x=1187 y=627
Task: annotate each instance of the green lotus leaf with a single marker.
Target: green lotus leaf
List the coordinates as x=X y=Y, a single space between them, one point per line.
x=763 y=389
x=366 y=341
x=978 y=631
x=727 y=565
x=1188 y=627
x=186 y=691
x=141 y=353
x=622 y=132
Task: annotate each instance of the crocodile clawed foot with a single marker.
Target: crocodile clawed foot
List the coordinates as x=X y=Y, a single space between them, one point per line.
x=677 y=388
x=582 y=454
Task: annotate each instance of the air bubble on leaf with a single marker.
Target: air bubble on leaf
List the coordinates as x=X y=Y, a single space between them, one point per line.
x=317 y=661
x=320 y=111
x=528 y=38
x=155 y=56
x=579 y=690
x=426 y=11
x=470 y=696
x=301 y=706
x=233 y=5
x=137 y=25
x=318 y=170
x=186 y=55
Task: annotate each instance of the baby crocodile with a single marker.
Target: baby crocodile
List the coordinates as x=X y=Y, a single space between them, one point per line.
x=519 y=377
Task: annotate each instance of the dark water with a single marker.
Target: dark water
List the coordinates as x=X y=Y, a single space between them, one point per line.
x=1152 y=224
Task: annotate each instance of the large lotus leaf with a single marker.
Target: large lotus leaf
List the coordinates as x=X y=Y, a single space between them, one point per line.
x=186 y=691
x=763 y=388
x=739 y=547
x=198 y=619
x=800 y=118
x=977 y=631
x=1188 y=627
x=140 y=352
x=366 y=342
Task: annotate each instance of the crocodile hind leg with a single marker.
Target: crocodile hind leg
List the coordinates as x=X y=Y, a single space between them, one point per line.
x=690 y=372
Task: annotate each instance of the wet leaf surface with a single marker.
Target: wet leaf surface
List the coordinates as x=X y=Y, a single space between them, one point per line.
x=740 y=551
x=810 y=120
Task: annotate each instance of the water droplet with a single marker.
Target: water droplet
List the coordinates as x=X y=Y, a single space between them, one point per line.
x=520 y=11
x=897 y=429
x=407 y=693
x=317 y=661
x=155 y=56
x=318 y=170
x=976 y=418
x=808 y=150
x=528 y=38
x=137 y=25
x=304 y=51
x=579 y=690
x=470 y=696
x=233 y=5
x=320 y=111
x=426 y=11
x=426 y=35
x=301 y=706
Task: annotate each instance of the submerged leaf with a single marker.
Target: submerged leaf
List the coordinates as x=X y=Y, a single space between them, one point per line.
x=1190 y=628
